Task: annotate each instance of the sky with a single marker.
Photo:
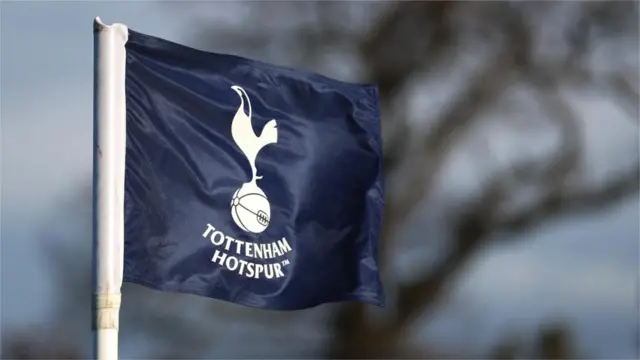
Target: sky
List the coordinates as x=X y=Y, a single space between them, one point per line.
x=584 y=269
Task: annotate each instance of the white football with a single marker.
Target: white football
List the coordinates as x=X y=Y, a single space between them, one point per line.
x=251 y=210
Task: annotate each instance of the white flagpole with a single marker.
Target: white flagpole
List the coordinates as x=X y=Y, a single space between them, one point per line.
x=109 y=138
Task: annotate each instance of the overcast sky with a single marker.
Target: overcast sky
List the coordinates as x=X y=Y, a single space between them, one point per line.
x=585 y=269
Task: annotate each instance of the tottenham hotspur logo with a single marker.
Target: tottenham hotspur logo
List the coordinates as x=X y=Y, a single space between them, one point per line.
x=250 y=207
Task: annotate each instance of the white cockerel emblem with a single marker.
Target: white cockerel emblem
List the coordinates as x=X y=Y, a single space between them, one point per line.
x=250 y=208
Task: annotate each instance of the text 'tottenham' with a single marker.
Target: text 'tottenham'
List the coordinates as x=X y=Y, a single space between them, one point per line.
x=228 y=247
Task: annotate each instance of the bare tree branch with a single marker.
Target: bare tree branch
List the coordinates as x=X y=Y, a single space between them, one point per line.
x=625 y=94
x=422 y=166
x=427 y=21
x=481 y=221
x=481 y=92
x=574 y=202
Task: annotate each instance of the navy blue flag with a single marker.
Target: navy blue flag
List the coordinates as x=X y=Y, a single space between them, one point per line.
x=249 y=182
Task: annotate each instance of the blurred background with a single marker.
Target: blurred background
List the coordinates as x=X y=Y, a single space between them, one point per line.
x=511 y=159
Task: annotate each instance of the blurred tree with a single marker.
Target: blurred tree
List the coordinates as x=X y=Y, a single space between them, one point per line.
x=486 y=71
x=29 y=348
x=552 y=341
x=411 y=45
x=555 y=342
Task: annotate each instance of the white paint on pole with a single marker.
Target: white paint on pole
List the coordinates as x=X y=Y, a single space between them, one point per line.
x=109 y=114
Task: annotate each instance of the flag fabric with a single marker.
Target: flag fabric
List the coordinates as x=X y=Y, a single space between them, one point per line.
x=248 y=182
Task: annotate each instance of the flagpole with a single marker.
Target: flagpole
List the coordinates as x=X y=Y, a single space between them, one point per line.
x=109 y=140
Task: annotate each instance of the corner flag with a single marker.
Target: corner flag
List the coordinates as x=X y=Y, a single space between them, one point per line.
x=232 y=178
